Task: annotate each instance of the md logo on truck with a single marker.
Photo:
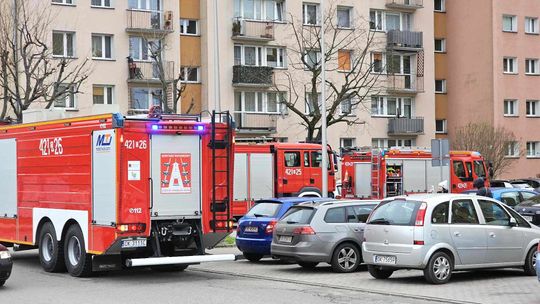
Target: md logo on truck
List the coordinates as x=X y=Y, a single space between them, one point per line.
x=103 y=142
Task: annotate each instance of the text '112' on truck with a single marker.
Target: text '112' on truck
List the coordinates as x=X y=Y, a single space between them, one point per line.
x=106 y=192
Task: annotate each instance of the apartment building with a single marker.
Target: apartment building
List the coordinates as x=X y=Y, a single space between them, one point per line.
x=492 y=73
x=116 y=37
x=258 y=52
x=441 y=66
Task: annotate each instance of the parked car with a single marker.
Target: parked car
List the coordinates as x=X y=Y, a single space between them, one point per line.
x=500 y=183
x=530 y=209
x=323 y=232
x=538 y=263
x=440 y=233
x=5 y=264
x=254 y=230
x=533 y=183
x=509 y=196
x=521 y=184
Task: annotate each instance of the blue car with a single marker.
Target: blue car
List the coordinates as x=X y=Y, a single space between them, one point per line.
x=254 y=232
x=510 y=196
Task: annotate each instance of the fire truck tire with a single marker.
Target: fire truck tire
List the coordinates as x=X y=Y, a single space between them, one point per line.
x=170 y=268
x=78 y=262
x=51 y=251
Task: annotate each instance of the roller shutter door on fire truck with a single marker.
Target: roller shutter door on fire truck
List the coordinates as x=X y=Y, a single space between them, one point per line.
x=175 y=175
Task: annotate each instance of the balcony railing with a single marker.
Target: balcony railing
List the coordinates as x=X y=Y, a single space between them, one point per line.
x=243 y=29
x=406 y=126
x=405 y=4
x=255 y=122
x=259 y=76
x=405 y=83
x=149 y=21
x=145 y=71
x=404 y=40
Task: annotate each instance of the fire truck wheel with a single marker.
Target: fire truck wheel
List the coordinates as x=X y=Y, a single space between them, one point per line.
x=169 y=268
x=78 y=262
x=51 y=251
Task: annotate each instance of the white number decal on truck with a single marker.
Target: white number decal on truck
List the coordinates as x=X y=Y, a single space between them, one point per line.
x=131 y=144
x=51 y=146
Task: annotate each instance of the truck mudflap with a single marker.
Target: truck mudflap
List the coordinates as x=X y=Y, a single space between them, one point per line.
x=194 y=259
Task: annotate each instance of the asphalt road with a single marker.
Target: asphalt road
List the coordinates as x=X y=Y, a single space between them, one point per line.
x=30 y=284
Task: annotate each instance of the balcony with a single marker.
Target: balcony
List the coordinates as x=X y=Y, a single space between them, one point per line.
x=154 y=22
x=255 y=122
x=406 y=126
x=404 y=40
x=252 y=30
x=252 y=76
x=149 y=72
x=407 y=5
x=410 y=84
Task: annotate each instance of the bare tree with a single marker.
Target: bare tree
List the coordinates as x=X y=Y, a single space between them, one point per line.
x=30 y=73
x=492 y=142
x=348 y=92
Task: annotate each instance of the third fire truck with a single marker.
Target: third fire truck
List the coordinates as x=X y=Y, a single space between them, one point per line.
x=376 y=174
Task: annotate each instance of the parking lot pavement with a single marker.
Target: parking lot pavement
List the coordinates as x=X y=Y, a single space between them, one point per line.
x=487 y=286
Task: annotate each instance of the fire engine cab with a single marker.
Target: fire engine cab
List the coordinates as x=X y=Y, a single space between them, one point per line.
x=105 y=192
x=376 y=174
x=264 y=170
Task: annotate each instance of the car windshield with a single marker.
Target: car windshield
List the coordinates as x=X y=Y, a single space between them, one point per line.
x=298 y=215
x=264 y=208
x=534 y=201
x=398 y=212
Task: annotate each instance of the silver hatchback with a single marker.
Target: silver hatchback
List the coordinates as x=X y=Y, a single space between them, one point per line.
x=440 y=233
x=328 y=232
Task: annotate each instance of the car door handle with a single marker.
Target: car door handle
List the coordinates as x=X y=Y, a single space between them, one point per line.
x=457 y=233
x=358 y=230
x=492 y=235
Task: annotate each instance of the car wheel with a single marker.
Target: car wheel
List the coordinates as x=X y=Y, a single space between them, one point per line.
x=170 y=268
x=530 y=262
x=308 y=265
x=439 y=268
x=346 y=258
x=379 y=272
x=253 y=257
x=78 y=262
x=51 y=252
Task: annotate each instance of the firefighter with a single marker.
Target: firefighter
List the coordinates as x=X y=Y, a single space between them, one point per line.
x=479 y=184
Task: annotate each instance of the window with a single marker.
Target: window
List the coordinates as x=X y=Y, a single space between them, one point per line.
x=189 y=27
x=510 y=107
x=493 y=213
x=459 y=170
x=140 y=48
x=399 y=213
x=143 y=98
x=265 y=208
x=533 y=108
x=509 y=23
x=310 y=102
x=439 y=6
x=532 y=67
x=344 y=17
x=510 y=198
x=512 y=149
x=190 y=74
x=479 y=169
x=463 y=212
x=63 y=44
x=268 y=10
x=101 y=3
x=298 y=215
x=533 y=149
x=292 y=159
x=439 y=215
x=67 y=2
x=346 y=107
x=101 y=46
x=260 y=56
x=335 y=215
x=392 y=106
x=312 y=58
x=362 y=212
x=440 y=86
x=376 y=20
x=389 y=143
x=344 y=60
x=387 y=21
x=103 y=94
x=275 y=57
x=440 y=126
x=531 y=25
x=259 y=102
x=67 y=98
x=377 y=62
x=347 y=142
x=510 y=65
x=440 y=45
x=310 y=14
x=144 y=4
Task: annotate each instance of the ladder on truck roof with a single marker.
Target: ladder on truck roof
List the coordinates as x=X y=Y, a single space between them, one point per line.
x=221 y=168
x=375 y=174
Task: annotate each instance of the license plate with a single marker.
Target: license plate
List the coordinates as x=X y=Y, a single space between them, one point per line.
x=251 y=229
x=133 y=243
x=384 y=259
x=528 y=218
x=285 y=239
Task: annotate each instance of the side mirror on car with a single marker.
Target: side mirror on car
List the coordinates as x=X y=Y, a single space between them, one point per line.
x=512 y=222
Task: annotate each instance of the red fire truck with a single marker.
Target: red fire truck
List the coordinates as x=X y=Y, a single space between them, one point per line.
x=105 y=192
x=278 y=170
x=375 y=173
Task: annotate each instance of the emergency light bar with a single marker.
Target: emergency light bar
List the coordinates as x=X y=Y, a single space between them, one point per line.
x=177 y=127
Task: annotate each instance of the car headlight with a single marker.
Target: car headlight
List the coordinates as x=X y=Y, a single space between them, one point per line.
x=4 y=255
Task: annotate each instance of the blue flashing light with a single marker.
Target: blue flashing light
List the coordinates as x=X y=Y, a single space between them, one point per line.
x=155 y=127
x=200 y=128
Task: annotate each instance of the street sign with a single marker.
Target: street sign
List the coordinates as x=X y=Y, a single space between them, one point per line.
x=440 y=152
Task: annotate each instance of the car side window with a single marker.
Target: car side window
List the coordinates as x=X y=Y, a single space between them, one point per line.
x=335 y=215
x=510 y=198
x=527 y=195
x=493 y=213
x=363 y=212
x=292 y=159
x=351 y=215
x=463 y=212
x=520 y=220
x=440 y=213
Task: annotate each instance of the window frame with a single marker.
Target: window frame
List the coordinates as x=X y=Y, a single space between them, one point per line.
x=380 y=23
x=447 y=213
x=305 y=6
x=514 y=25
x=63 y=2
x=443 y=6
x=184 y=25
x=535 y=145
x=261 y=56
x=513 y=105
x=70 y=99
x=532 y=108
x=102 y=5
x=401 y=103
x=499 y=206
x=512 y=147
x=65 y=44
x=352 y=139
x=149 y=95
x=443 y=86
x=345 y=218
x=279 y=10
x=511 y=65
x=106 y=100
x=444 y=125
x=475 y=212
x=349 y=11
x=535 y=30
x=185 y=73
x=443 y=45
x=300 y=159
x=533 y=63
x=264 y=102
x=103 y=38
x=349 y=59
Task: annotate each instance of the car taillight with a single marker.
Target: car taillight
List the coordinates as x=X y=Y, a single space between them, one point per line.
x=303 y=230
x=418 y=242
x=135 y=227
x=270 y=227
x=420 y=215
